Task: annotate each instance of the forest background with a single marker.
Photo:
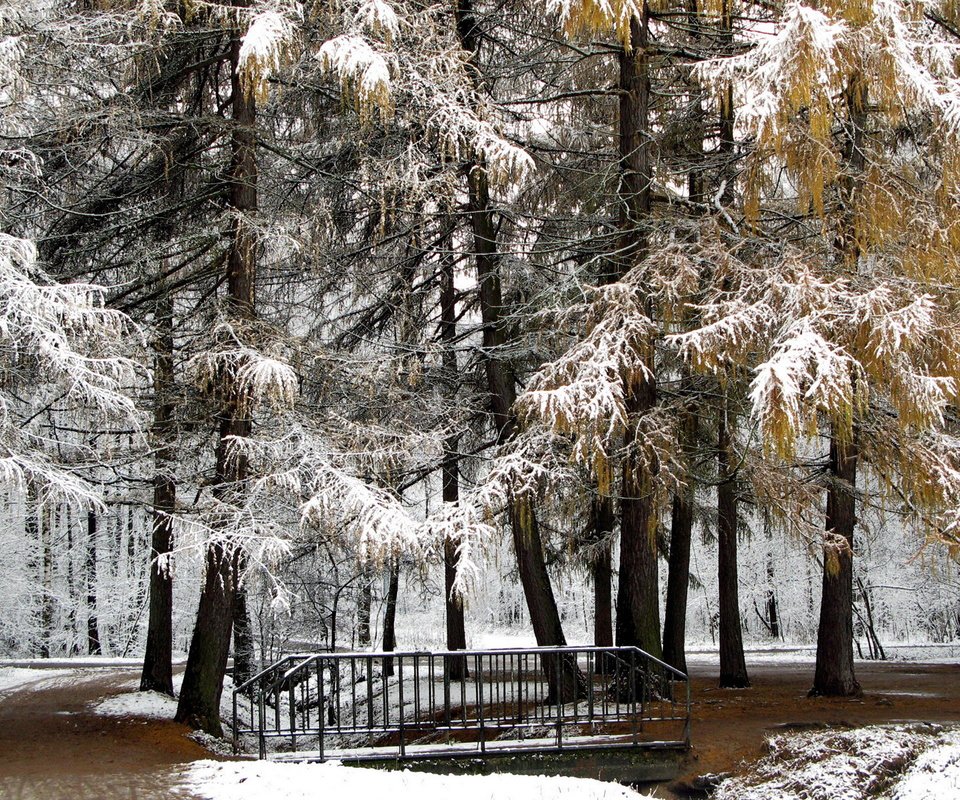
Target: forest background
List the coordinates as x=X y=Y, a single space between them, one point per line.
x=570 y=317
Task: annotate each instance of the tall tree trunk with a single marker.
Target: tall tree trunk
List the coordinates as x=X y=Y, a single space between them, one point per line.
x=207 y=660
x=73 y=601
x=834 y=675
x=453 y=600
x=733 y=666
x=90 y=574
x=638 y=605
x=678 y=575
x=564 y=678
x=770 y=603
x=390 y=615
x=157 y=674
x=243 y=649
x=364 y=603
x=601 y=569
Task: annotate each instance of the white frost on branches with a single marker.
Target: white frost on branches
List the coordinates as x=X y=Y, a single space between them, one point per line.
x=364 y=73
x=593 y=16
x=262 y=51
x=57 y=345
x=379 y=18
x=583 y=391
x=804 y=55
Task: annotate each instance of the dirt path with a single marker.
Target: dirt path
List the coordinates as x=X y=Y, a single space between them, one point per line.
x=730 y=725
x=52 y=747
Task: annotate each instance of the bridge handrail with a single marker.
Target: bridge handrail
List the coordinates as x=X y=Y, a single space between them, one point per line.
x=279 y=677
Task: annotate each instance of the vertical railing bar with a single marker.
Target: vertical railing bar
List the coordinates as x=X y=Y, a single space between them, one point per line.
x=353 y=692
x=479 y=679
x=385 y=690
x=321 y=710
x=399 y=661
x=591 y=668
x=262 y=722
x=369 y=660
x=416 y=690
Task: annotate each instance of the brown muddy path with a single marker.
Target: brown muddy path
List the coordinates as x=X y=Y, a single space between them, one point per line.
x=53 y=747
x=730 y=726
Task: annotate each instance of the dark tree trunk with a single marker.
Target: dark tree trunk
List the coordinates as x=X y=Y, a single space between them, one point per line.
x=601 y=568
x=565 y=681
x=157 y=674
x=456 y=627
x=364 y=602
x=638 y=605
x=834 y=674
x=243 y=648
x=390 y=616
x=562 y=674
x=773 y=613
x=678 y=575
x=733 y=666
x=678 y=579
x=90 y=569
x=207 y=660
x=46 y=609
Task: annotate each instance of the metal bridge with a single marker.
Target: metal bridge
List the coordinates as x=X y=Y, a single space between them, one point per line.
x=616 y=712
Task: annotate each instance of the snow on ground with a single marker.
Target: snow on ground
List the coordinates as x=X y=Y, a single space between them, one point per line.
x=152 y=705
x=935 y=775
x=14 y=678
x=900 y=762
x=260 y=780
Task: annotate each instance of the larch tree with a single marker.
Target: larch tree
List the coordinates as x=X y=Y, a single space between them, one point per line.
x=858 y=316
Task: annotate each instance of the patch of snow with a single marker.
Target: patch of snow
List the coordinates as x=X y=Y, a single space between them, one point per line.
x=15 y=678
x=935 y=775
x=257 y=780
x=152 y=705
x=901 y=762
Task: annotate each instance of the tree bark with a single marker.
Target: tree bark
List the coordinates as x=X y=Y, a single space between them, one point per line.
x=90 y=570
x=157 y=674
x=453 y=601
x=678 y=574
x=678 y=579
x=207 y=660
x=390 y=616
x=638 y=605
x=364 y=602
x=733 y=666
x=601 y=569
x=243 y=647
x=834 y=675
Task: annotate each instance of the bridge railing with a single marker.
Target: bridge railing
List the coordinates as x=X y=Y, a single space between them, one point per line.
x=408 y=705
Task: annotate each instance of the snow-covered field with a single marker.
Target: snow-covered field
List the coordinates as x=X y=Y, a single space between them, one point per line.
x=271 y=781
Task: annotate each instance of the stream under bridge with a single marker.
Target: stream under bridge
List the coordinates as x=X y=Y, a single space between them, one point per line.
x=616 y=713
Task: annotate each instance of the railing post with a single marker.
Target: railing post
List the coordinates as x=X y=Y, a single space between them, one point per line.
x=261 y=723
x=480 y=711
x=400 y=694
x=321 y=710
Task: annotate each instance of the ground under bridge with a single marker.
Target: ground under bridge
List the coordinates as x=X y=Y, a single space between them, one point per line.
x=611 y=712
